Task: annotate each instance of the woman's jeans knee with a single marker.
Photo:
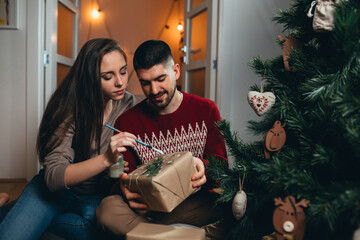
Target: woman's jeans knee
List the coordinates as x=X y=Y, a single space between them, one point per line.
x=32 y=213
x=78 y=221
x=65 y=213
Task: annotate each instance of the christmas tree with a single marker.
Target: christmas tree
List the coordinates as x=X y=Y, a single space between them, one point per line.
x=317 y=92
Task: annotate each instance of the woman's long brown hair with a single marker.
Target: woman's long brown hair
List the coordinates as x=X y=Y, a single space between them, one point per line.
x=79 y=101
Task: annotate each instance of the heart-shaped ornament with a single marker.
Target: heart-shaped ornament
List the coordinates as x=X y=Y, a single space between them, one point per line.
x=261 y=102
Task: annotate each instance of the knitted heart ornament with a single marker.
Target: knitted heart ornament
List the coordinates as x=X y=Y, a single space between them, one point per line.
x=261 y=102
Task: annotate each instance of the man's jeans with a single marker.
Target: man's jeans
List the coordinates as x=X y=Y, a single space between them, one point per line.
x=66 y=213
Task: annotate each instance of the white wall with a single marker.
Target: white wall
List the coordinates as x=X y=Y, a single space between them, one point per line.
x=13 y=99
x=21 y=92
x=245 y=31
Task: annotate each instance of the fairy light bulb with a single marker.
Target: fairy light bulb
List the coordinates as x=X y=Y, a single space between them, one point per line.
x=95 y=13
x=179 y=27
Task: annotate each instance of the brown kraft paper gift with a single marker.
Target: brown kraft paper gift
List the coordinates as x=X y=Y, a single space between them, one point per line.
x=166 y=187
x=149 y=231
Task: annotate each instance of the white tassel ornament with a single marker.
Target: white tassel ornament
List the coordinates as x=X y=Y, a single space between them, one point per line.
x=240 y=200
x=239 y=205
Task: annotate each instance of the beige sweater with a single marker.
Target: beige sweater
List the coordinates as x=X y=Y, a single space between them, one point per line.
x=57 y=161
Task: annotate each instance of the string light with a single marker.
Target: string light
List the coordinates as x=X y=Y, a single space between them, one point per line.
x=95 y=13
x=180 y=27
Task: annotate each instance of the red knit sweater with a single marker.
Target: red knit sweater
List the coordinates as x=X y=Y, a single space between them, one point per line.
x=190 y=128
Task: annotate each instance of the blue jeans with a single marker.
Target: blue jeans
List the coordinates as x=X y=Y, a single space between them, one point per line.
x=65 y=213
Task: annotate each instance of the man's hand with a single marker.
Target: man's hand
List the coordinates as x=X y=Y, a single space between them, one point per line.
x=199 y=177
x=133 y=198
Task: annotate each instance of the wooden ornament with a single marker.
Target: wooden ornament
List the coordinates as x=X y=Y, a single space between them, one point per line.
x=240 y=200
x=289 y=218
x=289 y=44
x=274 y=139
x=261 y=102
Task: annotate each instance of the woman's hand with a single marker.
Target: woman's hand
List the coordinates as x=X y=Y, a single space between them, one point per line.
x=199 y=177
x=133 y=198
x=78 y=172
x=117 y=145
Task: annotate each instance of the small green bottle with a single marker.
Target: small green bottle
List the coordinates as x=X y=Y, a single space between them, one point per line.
x=118 y=168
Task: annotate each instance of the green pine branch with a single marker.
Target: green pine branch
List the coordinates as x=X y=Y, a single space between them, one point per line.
x=320 y=104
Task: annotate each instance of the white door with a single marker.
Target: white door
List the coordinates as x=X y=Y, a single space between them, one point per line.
x=61 y=41
x=56 y=37
x=200 y=48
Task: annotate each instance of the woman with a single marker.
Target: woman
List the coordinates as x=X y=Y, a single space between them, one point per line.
x=75 y=148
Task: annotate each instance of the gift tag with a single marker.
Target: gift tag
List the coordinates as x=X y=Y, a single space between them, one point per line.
x=261 y=102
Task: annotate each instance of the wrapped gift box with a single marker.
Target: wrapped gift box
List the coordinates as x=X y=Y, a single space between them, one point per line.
x=164 y=182
x=149 y=231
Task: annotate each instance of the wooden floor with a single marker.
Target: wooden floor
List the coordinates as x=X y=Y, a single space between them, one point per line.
x=13 y=187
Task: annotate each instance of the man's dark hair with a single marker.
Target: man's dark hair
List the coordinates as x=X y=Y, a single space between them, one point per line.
x=151 y=53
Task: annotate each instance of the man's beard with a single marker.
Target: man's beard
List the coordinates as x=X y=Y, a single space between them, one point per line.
x=165 y=102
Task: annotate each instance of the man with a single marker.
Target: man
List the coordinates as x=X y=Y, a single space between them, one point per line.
x=171 y=121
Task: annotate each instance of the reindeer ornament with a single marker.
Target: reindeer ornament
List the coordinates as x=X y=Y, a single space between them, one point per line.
x=289 y=218
x=274 y=139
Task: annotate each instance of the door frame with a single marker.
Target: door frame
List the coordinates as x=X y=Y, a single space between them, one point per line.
x=34 y=81
x=51 y=42
x=210 y=62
